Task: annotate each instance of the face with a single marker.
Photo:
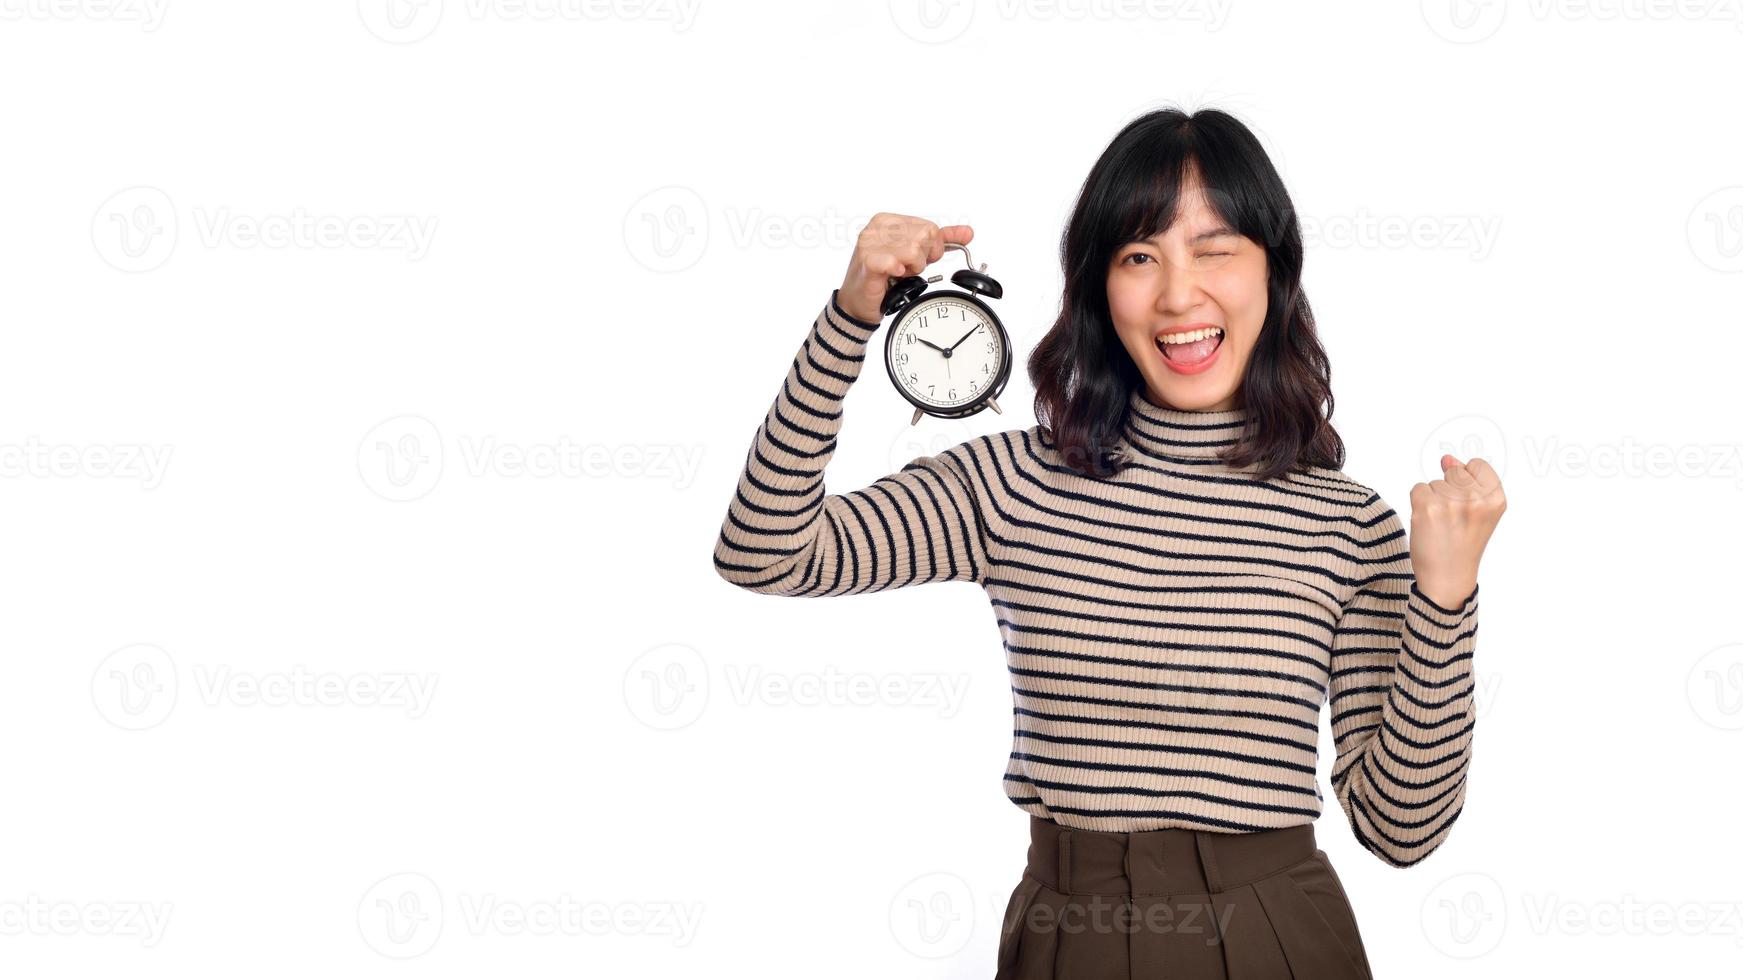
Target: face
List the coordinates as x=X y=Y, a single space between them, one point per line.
x=1200 y=282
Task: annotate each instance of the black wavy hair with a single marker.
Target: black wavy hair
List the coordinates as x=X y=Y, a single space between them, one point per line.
x=1082 y=373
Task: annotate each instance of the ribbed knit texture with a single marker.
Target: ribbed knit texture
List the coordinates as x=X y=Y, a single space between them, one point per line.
x=1171 y=631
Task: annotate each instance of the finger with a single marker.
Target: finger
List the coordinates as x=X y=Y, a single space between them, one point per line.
x=927 y=247
x=888 y=264
x=1484 y=474
x=957 y=234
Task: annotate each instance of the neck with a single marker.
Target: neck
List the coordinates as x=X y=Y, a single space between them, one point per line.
x=1156 y=430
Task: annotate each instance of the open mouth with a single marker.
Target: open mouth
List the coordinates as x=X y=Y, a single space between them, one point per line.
x=1191 y=347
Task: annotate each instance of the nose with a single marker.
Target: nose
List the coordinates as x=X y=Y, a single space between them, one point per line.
x=1180 y=287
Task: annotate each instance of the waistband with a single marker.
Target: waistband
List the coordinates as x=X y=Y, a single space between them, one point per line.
x=1175 y=861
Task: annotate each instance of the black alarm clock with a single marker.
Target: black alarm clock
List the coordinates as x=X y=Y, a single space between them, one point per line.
x=946 y=351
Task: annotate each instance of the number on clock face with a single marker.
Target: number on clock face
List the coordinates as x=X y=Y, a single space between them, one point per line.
x=941 y=324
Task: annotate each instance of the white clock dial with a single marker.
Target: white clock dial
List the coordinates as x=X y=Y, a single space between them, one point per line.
x=942 y=324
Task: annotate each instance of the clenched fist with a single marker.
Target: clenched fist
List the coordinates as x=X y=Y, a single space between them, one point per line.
x=1450 y=523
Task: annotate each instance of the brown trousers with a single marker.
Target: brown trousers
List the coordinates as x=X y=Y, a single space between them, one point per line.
x=1179 y=905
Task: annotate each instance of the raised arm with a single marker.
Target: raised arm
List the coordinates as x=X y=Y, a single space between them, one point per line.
x=785 y=535
x=1402 y=688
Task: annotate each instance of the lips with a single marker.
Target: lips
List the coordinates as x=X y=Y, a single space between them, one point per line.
x=1196 y=350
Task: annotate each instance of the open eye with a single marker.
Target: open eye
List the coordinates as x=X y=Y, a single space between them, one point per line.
x=1136 y=255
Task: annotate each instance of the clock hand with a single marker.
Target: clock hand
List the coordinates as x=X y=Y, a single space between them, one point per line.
x=965 y=336
x=930 y=344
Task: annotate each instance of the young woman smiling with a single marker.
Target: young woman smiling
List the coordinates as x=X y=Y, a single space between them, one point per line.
x=1181 y=572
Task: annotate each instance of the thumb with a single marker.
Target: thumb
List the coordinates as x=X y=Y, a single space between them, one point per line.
x=1455 y=472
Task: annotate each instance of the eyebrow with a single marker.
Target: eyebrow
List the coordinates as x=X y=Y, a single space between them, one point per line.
x=1220 y=231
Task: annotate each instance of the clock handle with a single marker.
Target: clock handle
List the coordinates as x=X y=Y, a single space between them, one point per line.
x=904 y=291
x=965 y=256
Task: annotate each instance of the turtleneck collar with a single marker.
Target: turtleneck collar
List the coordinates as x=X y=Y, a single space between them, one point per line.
x=1157 y=431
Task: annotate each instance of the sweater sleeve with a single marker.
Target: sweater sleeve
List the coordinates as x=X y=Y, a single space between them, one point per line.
x=785 y=535
x=1402 y=689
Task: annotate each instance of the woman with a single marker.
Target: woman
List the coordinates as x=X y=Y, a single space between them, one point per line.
x=1181 y=573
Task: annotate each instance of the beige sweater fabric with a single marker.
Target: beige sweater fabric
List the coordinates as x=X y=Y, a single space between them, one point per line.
x=1171 y=632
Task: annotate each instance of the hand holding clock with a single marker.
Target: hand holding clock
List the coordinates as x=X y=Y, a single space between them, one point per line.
x=889 y=247
x=1451 y=520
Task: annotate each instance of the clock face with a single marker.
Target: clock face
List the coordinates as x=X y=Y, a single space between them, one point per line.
x=946 y=352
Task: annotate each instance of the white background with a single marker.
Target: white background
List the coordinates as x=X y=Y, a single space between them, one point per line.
x=302 y=302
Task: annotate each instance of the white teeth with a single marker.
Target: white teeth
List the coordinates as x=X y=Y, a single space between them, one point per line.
x=1191 y=335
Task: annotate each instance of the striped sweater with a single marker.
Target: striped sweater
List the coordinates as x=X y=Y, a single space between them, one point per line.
x=1170 y=632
